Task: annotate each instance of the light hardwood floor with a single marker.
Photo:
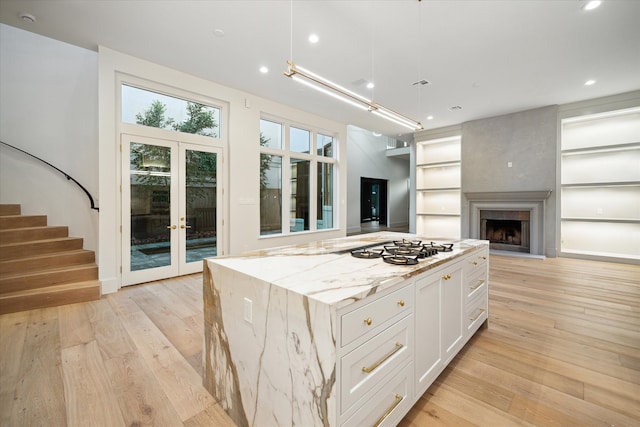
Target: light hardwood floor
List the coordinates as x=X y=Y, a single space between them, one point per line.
x=562 y=349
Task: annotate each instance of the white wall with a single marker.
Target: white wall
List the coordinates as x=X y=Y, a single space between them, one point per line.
x=366 y=156
x=49 y=107
x=242 y=190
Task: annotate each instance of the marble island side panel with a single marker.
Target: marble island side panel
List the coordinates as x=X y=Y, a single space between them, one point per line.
x=278 y=369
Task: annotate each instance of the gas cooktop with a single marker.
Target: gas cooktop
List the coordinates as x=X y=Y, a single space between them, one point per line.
x=402 y=252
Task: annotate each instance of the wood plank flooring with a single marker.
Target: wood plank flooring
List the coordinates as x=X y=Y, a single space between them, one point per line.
x=562 y=349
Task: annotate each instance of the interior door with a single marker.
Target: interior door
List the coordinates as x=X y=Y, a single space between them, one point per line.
x=170 y=207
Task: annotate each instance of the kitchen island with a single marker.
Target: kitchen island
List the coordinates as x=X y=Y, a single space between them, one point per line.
x=309 y=335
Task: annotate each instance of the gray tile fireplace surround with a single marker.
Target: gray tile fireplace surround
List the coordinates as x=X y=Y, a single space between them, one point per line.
x=532 y=201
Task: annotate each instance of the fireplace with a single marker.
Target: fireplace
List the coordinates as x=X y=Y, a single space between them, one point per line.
x=511 y=221
x=506 y=230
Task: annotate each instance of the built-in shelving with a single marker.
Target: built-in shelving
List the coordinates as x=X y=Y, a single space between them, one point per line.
x=438 y=179
x=600 y=185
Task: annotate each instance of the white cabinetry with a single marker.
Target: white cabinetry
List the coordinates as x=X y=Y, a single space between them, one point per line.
x=451 y=310
x=428 y=362
x=600 y=179
x=393 y=346
x=438 y=187
x=374 y=360
x=475 y=291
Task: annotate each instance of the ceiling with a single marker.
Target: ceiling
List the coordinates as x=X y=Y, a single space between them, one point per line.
x=488 y=57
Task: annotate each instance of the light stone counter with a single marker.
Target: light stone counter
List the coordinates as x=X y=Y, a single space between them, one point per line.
x=270 y=324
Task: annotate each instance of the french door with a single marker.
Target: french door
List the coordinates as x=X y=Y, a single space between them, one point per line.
x=171 y=207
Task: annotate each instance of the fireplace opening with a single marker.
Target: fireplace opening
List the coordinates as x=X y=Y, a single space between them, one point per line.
x=506 y=230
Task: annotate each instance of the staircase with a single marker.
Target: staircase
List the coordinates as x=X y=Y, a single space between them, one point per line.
x=40 y=265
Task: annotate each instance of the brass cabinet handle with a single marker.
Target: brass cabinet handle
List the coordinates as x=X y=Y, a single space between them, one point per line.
x=185 y=226
x=369 y=369
x=474 y=262
x=401 y=303
x=484 y=257
x=447 y=277
x=473 y=319
x=480 y=283
x=368 y=321
x=399 y=398
x=173 y=227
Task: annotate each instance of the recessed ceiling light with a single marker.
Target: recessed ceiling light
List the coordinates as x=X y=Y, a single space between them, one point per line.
x=264 y=70
x=455 y=108
x=27 y=17
x=218 y=32
x=429 y=117
x=376 y=133
x=590 y=82
x=370 y=85
x=592 y=4
x=313 y=38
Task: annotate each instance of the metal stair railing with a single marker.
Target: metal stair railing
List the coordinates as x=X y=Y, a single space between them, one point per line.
x=66 y=175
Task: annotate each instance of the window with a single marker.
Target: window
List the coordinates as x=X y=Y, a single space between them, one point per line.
x=148 y=108
x=300 y=140
x=325 y=145
x=324 y=196
x=290 y=165
x=270 y=194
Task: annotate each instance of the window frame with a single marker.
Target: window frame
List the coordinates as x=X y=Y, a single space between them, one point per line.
x=314 y=160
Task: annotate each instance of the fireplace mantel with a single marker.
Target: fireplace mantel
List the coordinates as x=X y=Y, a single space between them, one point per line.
x=509 y=195
x=532 y=201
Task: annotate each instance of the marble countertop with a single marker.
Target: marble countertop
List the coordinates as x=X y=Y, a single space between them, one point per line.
x=326 y=272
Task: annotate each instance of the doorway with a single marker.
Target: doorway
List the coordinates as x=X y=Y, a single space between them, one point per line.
x=373 y=200
x=171 y=205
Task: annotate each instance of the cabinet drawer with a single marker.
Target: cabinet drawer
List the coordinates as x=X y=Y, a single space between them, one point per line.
x=476 y=312
x=386 y=405
x=475 y=284
x=476 y=262
x=365 y=366
x=367 y=318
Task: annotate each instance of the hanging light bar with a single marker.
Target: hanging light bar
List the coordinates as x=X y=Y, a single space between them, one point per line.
x=327 y=87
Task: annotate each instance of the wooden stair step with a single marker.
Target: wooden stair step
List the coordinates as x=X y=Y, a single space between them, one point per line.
x=47 y=277
x=33 y=233
x=49 y=260
x=38 y=247
x=22 y=221
x=9 y=209
x=49 y=297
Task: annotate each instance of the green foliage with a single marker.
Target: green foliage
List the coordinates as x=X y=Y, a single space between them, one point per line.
x=154 y=116
x=200 y=120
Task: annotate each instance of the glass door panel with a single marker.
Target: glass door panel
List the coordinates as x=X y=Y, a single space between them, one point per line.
x=150 y=185
x=199 y=224
x=149 y=214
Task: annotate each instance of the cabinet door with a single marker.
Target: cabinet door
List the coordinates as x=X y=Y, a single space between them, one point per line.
x=428 y=360
x=452 y=327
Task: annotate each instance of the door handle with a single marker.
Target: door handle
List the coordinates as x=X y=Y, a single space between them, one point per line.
x=184 y=226
x=173 y=227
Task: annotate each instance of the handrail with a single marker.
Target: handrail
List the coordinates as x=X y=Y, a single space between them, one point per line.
x=69 y=177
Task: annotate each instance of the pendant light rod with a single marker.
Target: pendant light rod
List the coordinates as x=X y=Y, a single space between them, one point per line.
x=334 y=90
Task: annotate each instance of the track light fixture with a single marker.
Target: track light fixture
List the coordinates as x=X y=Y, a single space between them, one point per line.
x=334 y=90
